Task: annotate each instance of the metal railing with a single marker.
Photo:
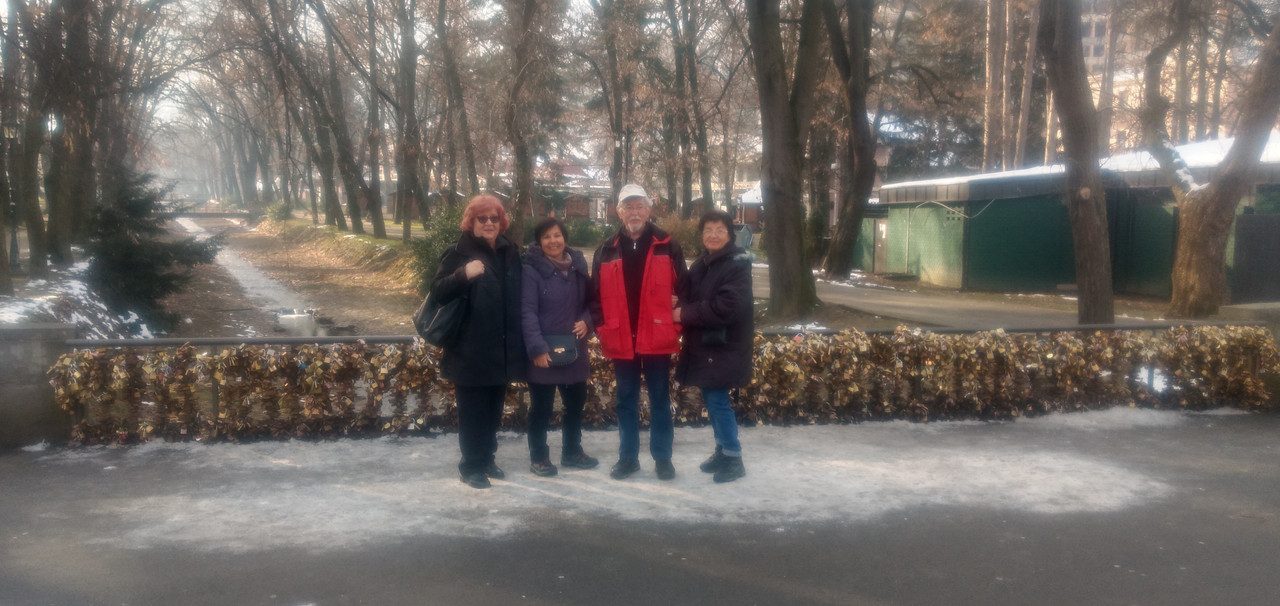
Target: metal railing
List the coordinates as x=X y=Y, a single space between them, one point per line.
x=406 y=339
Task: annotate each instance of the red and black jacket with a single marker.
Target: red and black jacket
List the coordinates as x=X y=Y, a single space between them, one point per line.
x=654 y=330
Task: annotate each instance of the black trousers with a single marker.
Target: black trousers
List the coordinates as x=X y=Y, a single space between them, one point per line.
x=541 y=398
x=479 y=415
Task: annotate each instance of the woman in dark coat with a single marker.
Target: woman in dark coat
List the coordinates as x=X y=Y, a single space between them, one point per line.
x=715 y=310
x=483 y=266
x=554 y=302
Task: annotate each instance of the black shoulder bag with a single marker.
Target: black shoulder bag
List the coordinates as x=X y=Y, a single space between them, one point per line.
x=440 y=325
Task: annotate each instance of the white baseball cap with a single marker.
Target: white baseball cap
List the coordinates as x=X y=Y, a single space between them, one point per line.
x=631 y=190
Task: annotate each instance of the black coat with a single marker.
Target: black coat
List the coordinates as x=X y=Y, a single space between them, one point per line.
x=719 y=327
x=490 y=349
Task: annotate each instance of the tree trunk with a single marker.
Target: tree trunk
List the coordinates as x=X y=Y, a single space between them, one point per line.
x=702 y=153
x=1008 y=118
x=785 y=110
x=1106 y=90
x=328 y=181
x=352 y=177
x=615 y=89
x=728 y=167
x=1220 y=74
x=1086 y=199
x=29 y=191
x=374 y=139
x=822 y=151
x=1051 y=125
x=8 y=167
x=1028 y=78
x=246 y=172
x=1202 y=85
x=852 y=52
x=409 y=145
x=671 y=165
x=1205 y=214
x=992 y=131
x=681 y=122
x=71 y=197
x=523 y=56
x=1182 y=94
x=453 y=82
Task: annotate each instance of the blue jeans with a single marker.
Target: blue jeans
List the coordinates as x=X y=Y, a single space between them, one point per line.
x=656 y=369
x=723 y=422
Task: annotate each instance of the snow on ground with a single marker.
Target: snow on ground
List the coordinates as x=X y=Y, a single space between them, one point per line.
x=343 y=494
x=64 y=297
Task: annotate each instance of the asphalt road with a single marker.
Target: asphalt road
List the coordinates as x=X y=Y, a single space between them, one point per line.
x=930 y=309
x=1201 y=526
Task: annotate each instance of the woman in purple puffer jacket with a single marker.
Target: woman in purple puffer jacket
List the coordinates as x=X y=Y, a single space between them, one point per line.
x=554 y=302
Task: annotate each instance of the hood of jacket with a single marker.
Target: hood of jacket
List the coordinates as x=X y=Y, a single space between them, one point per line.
x=538 y=261
x=730 y=250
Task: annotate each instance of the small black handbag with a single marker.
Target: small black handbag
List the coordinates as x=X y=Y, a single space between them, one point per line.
x=715 y=336
x=440 y=325
x=563 y=349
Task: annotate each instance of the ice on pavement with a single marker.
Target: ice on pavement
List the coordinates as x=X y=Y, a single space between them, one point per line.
x=348 y=493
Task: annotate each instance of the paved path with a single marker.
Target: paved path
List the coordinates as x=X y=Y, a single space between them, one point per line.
x=1118 y=507
x=925 y=308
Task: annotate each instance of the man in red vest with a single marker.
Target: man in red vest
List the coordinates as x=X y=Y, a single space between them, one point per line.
x=633 y=280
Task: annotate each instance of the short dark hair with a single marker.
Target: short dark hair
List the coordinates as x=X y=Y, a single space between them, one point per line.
x=546 y=224
x=717 y=216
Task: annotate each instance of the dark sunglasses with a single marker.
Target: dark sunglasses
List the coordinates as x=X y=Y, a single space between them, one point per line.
x=489 y=219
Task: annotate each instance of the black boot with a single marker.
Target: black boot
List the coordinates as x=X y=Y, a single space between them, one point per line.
x=730 y=469
x=624 y=468
x=713 y=463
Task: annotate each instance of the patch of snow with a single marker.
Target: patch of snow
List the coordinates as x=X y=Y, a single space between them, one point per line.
x=1221 y=412
x=14 y=310
x=325 y=496
x=811 y=326
x=1119 y=417
x=64 y=297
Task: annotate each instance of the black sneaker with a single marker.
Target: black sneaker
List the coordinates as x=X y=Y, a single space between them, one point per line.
x=542 y=468
x=730 y=469
x=475 y=480
x=495 y=472
x=713 y=463
x=666 y=471
x=579 y=461
x=624 y=468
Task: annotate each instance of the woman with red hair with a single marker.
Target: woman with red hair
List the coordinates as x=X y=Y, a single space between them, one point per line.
x=483 y=266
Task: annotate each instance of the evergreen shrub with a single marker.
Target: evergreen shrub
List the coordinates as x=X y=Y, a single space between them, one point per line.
x=441 y=232
x=134 y=262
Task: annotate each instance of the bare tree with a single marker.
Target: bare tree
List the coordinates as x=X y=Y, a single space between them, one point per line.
x=993 y=132
x=453 y=82
x=8 y=116
x=1086 y=199
x=1205 y=212
x=786 y=105
x=1106 y=88
x=409 y=194
x=851 y=50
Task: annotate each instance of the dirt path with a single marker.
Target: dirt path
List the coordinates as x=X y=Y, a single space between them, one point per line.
x=365 y=302
x=215 y=305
